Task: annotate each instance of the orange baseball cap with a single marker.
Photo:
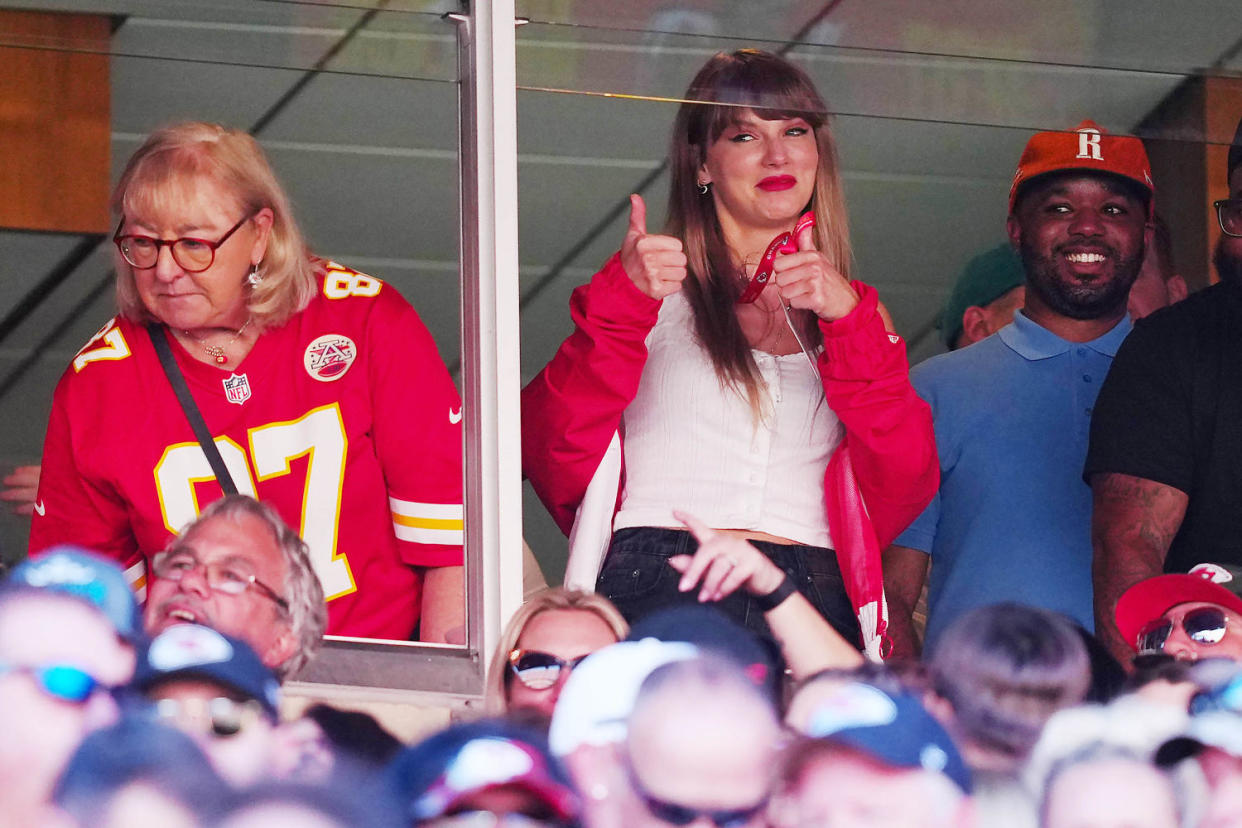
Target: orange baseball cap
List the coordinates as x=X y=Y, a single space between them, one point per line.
x=1087 y=147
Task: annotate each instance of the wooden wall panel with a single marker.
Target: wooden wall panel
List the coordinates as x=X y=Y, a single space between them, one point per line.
x=1188 y=137
x=54 y=122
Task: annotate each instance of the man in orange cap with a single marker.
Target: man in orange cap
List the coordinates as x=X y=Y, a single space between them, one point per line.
x=1166 y=446
x=1011 y=521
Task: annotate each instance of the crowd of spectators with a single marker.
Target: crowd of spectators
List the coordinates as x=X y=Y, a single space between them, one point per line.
x=1016 y=718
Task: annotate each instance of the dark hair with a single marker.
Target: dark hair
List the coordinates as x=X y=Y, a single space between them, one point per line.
x=725 y=88
x=354 y=734
x=1005 y=669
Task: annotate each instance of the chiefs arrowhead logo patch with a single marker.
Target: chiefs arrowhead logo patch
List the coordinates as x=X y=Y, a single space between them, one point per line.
x=329 y=357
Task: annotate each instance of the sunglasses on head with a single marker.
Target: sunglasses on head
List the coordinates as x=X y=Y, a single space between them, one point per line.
x=539 y=670
x=1205 y=625
x=60 y=681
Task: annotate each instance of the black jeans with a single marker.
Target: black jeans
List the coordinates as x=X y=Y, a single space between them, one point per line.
x=637 y=578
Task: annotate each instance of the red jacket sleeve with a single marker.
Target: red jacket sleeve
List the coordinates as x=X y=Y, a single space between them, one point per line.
x=572 y=408
x=888 y=427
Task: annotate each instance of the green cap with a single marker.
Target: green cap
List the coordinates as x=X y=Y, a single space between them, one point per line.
x=986 y=278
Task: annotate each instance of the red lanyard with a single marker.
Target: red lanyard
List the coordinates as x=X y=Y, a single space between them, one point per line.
x=784 y=243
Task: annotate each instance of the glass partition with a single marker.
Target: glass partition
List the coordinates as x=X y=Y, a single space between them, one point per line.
x=358 y=103
x=933 y=104
x=357 y=107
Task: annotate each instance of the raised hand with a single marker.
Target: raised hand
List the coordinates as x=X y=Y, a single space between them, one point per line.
x=655 y=264
x=806 y=279
x=723 y=563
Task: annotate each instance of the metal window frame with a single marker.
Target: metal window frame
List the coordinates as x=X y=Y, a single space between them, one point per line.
x=491 y=370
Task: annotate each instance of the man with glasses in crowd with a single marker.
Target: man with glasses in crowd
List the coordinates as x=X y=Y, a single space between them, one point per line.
x=1166 y=445
x=241 y=570
x=214 y=688
x=699 y=748
x=68 y=622
x=1187 y=616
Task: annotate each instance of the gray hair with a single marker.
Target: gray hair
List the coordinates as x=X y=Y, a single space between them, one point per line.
x=1006 y=668
x=308 y=612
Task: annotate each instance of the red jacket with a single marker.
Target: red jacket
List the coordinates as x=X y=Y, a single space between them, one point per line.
x=877 y=482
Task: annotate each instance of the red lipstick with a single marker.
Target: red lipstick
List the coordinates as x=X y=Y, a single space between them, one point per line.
x=774 y=183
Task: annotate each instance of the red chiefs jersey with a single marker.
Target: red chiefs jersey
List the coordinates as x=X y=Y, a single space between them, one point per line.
x=344 y=420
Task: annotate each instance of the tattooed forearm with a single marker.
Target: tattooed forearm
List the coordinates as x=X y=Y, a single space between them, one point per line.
x=1137 y=512
x=1133 y=523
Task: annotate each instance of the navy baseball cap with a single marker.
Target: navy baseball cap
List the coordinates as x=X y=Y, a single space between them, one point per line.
x=445 y=770
x=194 y=651
x=89 y=578
x=712 y=631
x=893 y=728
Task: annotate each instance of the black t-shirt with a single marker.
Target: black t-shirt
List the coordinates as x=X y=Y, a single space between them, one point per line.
x=1171 y=411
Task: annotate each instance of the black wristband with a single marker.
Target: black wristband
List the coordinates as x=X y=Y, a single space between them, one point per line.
x=776 y=597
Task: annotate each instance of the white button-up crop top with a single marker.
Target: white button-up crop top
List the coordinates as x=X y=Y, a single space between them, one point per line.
x=693 y=445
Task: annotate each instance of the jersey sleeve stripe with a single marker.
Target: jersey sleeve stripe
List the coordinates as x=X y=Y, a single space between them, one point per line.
x=136 y=575
x=438 y=537
x=427 y=523
x=429 y=511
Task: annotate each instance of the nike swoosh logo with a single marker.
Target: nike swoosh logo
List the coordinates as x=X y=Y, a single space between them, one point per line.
x=39 y=508
x=454 y=416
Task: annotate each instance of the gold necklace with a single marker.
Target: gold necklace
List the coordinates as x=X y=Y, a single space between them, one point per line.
x=217 y=352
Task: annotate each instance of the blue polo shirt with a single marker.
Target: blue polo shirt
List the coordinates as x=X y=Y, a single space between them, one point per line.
x=1012 y=519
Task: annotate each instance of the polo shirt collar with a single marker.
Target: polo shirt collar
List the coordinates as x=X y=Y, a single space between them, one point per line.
x=1033 y=341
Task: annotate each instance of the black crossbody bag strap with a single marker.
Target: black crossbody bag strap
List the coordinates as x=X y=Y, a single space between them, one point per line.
x=159 y=338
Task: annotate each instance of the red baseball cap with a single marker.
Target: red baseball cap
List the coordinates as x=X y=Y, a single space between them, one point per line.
x=1148 y=600
x=1087 y=147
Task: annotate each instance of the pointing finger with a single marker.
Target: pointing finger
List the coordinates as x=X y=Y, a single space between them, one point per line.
x=700 y=530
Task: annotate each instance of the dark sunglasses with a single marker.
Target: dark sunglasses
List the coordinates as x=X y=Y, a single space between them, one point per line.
x=60 y=681
x=538 y=670
x=676 y=814
x=220 y=716
x=1205 y=625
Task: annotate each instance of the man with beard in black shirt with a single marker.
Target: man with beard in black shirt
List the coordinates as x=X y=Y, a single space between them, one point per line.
x=1165 y=457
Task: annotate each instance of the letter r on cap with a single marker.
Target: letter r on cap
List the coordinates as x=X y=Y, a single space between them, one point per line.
x=1089 y=144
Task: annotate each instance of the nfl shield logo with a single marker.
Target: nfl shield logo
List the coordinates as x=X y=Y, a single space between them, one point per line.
x=237 y=388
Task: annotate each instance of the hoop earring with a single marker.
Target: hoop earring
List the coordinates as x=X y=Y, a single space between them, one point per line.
x=254 y=277
x=704 y=189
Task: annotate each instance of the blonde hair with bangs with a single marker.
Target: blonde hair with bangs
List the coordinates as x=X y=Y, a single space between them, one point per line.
x=166 y=166
x=725 y=88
